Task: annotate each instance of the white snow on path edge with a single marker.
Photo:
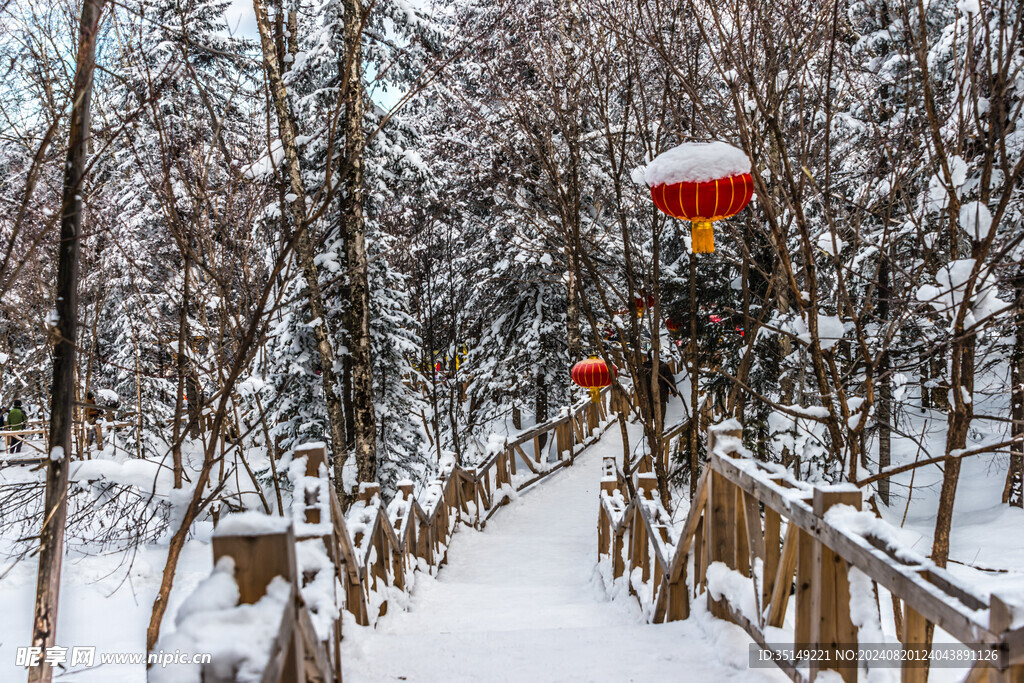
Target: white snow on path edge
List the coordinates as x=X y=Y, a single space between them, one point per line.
x=522 y=601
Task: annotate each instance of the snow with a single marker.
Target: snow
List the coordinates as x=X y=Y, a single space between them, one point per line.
x=105 y=601
x=696 y=162
x=216 y=592
x=830 y=330
x=969 y=6
x=238 y=637
x=251 y=523
x=829 y=243
x=522 y=601
x=976 y=219
x=148 y=475
x=734 y=588
x=57 y=453
x=107 y=397
x=947 y=295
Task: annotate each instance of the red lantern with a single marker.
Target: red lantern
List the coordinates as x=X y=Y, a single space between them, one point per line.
x=593 y=373
x=672 y=326
x=701 y=183
x=643 y=302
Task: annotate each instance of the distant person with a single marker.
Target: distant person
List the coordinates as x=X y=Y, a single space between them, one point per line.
x=16 y=420
x=666 y=383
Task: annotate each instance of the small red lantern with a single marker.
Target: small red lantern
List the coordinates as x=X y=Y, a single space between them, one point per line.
x=643 y=302
x=593 y=373
x=701 y=182
x=672 y=326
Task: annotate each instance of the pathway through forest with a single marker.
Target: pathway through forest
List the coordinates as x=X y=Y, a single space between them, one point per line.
x=521 y=601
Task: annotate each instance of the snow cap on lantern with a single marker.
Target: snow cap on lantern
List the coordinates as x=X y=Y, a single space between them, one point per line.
x=593 y=373
x=701 y=182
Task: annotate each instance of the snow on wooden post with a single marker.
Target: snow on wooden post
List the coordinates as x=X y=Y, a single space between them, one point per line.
x=262 y=547
x=831 y=626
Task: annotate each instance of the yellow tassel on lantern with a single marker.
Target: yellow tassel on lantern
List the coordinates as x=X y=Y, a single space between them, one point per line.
x=702 y=237
x=595 y=394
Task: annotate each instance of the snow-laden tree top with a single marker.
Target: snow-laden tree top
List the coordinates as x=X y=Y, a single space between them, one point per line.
x=696 y=162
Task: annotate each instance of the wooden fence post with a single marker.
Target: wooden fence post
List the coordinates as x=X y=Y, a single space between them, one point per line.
x=831 y=626
x=316 y=455
x=720 y=532
x=604 y=526
x=915 y=638
x=720 y=519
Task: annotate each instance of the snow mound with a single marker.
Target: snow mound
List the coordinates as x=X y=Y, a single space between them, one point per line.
x=696 y=162
x=238 y=637
x=976 y=219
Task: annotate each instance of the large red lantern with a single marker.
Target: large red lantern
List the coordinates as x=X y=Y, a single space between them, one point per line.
x=701 y=182
x=593 y=373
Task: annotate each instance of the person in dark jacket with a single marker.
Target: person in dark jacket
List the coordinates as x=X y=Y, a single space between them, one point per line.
x=16 y=420
x=666 y=383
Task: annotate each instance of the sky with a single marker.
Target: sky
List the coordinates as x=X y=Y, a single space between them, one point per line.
x=241 y=18
x=242 y=21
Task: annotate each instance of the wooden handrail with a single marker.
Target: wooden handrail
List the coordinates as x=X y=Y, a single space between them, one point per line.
x=735 y=525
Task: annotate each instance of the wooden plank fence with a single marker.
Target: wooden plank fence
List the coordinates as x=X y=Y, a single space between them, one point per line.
x=753 y=522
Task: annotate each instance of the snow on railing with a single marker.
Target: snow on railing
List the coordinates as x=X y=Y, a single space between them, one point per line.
x=759 y=543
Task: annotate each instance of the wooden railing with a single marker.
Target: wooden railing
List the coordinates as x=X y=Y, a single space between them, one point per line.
x=372 y=550
x=754 y=537
x=37 y=438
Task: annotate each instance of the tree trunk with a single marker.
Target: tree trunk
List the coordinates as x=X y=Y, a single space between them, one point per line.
x=883 y=405
x=181 y=364
x=304 y=243
x=1014 y=491
x=51 y=537
x=694 y=431
x=940 y=389
x=365 y=419
x=960 y=415
x=572 y=311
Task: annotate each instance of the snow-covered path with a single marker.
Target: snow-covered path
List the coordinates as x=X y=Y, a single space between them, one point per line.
x=521 y=601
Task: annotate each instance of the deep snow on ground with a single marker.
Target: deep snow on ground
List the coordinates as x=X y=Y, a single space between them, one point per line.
x=522 y=601
x=985 y=532
x=99 y=606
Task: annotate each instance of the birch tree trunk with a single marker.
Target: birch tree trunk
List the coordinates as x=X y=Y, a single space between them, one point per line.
x=51 y=537
x=303 y=242
x=358 y=320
